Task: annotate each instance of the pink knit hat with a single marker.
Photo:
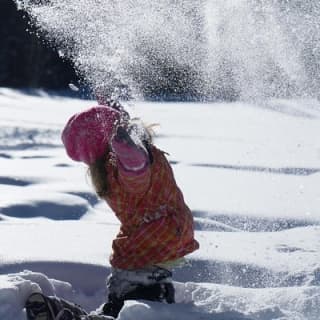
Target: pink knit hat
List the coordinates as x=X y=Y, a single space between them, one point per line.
x=87 y=134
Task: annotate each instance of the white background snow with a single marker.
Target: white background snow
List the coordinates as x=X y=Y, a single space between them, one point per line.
x=249 y=172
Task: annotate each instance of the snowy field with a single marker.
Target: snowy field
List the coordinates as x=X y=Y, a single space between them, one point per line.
x=250 y=173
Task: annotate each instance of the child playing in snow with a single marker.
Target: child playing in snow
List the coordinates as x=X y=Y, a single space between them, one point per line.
x=137 y=182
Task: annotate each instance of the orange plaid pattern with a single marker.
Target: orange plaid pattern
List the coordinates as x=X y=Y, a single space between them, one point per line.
x=156 y=224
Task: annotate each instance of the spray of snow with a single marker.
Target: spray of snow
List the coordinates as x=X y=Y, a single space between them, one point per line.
x=218 y=48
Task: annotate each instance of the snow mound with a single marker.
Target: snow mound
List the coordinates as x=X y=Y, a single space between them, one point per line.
x=153 y=310
x=15 y=288
x=194 y=300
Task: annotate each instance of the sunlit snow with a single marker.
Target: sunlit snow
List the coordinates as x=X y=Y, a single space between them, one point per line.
x=249 y=172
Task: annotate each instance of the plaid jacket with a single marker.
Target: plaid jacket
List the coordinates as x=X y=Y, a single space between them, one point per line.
x=156 y=224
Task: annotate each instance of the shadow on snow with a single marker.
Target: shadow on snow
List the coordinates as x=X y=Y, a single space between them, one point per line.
x=46 y=209
x=214 y=221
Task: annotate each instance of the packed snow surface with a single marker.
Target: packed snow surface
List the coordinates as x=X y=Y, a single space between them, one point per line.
x=249 y=172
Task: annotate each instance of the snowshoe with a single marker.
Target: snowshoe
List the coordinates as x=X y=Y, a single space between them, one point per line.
x=40 y=307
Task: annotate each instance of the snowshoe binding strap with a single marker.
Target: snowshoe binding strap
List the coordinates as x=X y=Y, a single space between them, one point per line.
x=37 y=308
x=41 y=307
x=65 y=314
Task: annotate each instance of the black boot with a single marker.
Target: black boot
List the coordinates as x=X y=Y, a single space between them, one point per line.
x=113 y=306
x=162 y=292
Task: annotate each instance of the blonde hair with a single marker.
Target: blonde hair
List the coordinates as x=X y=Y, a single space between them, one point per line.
x=99 y=176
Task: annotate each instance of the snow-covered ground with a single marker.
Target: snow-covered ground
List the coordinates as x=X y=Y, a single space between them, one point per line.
x=250 y=173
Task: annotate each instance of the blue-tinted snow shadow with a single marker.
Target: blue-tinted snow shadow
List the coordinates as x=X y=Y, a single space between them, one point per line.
x=88 y=281
x=240 y=275
x=88 y=196
x=296 y=171
x=46 y=209
x=90 y=278
x=5 y=155
x=15 y=182
x=62 y=165
x=207 y=224
x=230 y=221
x=89 y=289
x=187 y=311
x=36 y=157
x=87 y=278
